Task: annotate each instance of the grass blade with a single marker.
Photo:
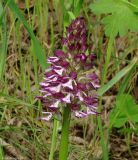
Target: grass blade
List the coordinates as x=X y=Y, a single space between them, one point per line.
x=3 y=47
x=118 y=76
x=37 y=47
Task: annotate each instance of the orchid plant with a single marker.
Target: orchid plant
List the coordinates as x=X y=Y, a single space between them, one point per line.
x=71 y=82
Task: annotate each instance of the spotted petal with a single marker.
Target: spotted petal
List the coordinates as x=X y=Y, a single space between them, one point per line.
x=47 y=117
x=52 y=60
x=68 y=84
x=55 y=105
x=80 y=114
x=58 y=69
x=67 y=99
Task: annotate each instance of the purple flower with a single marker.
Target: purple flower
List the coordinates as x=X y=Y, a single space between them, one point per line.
x=71 y=78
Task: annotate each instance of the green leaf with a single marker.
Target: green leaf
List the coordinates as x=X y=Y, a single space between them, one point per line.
x=125 y=110
x=120 y=16
x=105 y=6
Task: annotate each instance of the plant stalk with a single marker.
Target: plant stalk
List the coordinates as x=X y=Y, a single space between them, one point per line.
x=63 y=152
x=54 y=138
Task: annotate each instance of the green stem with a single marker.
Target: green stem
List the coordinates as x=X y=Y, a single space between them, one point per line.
x=63 y=152
x=54 y=138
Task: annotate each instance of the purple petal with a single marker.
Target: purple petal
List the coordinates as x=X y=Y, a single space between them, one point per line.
x=93 y=106
x=71 y=47
x=68 y=84
x=54 y=79
x=81 y=86
x=52 y=60
x=73 y=75
x=50 y=74
x=67 y=99
x=71 y=37
x=88 y=66
x=78 y=47
x=94 y=80
x=58 y=95
x=63 y=79
x=45 y=92
x=90 y=100
x=55 y=89
x=92 y=57
x=90 y=111
x=79 y=95
x=58 y=69
x=95 y=84
x=92 y=76
x=84 y=48
x=69 y=29
x=54 y=105
x=59 y=53
x=42 y=84
x=80 y=114
x=81 y=57
x=75 y=106
x=41 y=98
x=64 y=41
x=64 y=64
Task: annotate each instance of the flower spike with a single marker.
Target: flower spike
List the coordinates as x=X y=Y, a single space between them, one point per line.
x=71 y=78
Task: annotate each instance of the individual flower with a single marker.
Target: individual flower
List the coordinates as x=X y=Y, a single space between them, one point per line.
x=71 y=80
